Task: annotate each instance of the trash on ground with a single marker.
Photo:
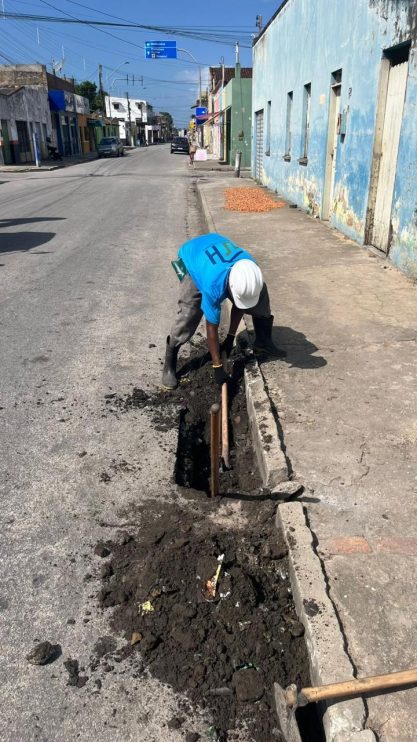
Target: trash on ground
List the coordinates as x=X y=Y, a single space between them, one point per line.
x=136 y=637
x=209 y=589
x=146 y=607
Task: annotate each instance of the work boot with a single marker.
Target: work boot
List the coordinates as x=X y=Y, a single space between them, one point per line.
x=169 y=373
x=263 y=337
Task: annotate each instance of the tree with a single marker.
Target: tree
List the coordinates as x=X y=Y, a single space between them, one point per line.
x=167 y=116
x=89 y=90
x=167 y=123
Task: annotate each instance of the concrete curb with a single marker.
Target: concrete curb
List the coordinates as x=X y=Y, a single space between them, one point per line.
x=29 y=169
x=206 y=211
x=329 y=662
x=271 y=460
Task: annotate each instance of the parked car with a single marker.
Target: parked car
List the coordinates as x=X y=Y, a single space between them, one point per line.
x=110 y=147
x=179 y=144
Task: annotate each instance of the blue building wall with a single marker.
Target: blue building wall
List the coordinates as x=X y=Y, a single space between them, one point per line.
x=305 y=43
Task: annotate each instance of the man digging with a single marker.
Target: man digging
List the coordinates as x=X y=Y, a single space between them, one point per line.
x=212 y=268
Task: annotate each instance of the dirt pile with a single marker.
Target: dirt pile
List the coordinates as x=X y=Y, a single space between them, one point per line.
x=223 y=646
x=200 y=590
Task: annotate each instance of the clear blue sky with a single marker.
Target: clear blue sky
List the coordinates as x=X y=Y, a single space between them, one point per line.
x=169 y=85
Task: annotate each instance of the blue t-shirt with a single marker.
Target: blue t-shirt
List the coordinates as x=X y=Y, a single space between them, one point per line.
x=208 y=260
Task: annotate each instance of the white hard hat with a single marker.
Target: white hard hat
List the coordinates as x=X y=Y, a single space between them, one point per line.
x=245 y=283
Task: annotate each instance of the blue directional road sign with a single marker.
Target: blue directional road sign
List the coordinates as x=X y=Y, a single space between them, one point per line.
x=160 y=49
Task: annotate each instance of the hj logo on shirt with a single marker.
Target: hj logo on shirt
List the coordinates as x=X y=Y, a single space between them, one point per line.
x=223 y=252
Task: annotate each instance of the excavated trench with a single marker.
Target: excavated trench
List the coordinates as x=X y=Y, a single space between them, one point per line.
x=222 y=643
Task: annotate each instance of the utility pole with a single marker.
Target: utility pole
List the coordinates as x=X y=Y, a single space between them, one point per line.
x=100 y=85
x=130 y=119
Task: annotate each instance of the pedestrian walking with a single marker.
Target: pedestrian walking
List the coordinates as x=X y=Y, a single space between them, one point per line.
x=212 y=268
x=192 y=146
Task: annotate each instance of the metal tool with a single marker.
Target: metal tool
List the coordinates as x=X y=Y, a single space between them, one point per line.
x=289 y=699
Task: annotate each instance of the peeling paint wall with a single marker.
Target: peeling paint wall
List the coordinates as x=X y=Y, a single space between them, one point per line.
x=305 y=44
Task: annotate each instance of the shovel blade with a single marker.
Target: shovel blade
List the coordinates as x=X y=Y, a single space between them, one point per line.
x=286 y=716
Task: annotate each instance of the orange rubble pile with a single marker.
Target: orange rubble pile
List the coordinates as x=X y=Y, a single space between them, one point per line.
x=250 y=199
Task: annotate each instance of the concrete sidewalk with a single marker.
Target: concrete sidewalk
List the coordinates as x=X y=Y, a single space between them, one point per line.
x=346 y=398
x=46 y=165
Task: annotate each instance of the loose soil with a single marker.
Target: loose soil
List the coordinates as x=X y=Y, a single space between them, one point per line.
x=187 y=409
x=222 y=644
x=224 y=652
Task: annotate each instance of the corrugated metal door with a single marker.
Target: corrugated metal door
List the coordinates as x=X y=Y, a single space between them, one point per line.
x=397 y=83
x=259 y=144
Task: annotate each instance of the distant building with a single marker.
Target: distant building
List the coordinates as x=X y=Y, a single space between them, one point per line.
x=24 y=110
x=229 y=123
x=132 y=115
x=334 y=114
x=46 y=105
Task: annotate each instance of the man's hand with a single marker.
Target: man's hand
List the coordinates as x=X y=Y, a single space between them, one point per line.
x=220 y=375
x=227 y=345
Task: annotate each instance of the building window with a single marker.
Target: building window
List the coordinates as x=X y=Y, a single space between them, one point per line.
x=268 y=129
x=336 y=78
x=116 y=106
x=287 y=155
x=306 y=124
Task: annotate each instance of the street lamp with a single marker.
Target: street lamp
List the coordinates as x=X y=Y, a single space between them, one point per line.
x=185 y=51
x=110 y=85
x=199 y=68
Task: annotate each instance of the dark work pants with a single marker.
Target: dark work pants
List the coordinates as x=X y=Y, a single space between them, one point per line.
x=189 y=311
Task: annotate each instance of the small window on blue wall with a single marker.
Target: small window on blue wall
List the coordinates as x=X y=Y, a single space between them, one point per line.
x=268 y=129
x=287 y=155
x=306 y=125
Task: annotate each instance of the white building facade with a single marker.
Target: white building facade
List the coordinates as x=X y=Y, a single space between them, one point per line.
x=132 y=114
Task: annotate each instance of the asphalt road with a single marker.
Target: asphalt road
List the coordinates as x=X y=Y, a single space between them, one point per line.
x=87 y=292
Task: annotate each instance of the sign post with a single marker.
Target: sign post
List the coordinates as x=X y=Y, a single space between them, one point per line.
x=36 y=149
x=160 y=49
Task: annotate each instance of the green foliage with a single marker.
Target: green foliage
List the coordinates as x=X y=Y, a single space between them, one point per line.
x=89 y=90
x=168 y=118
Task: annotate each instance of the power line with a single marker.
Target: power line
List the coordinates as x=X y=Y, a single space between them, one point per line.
x=228 y=38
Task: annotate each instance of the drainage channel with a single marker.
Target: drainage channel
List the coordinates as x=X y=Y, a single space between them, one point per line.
x=201 y=590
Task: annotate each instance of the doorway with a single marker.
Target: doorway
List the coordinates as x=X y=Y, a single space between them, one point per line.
x=7 y=150
x=25 y=151
x=259 y=144
x=391 y=97
x=332 y=142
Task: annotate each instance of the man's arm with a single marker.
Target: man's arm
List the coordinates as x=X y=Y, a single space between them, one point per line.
x=235 y=317
x=213 y=342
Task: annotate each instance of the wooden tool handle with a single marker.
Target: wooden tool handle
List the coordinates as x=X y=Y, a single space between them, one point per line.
x=354 y=687
x=214 y=449
x=225 y=418
x=225 y=426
